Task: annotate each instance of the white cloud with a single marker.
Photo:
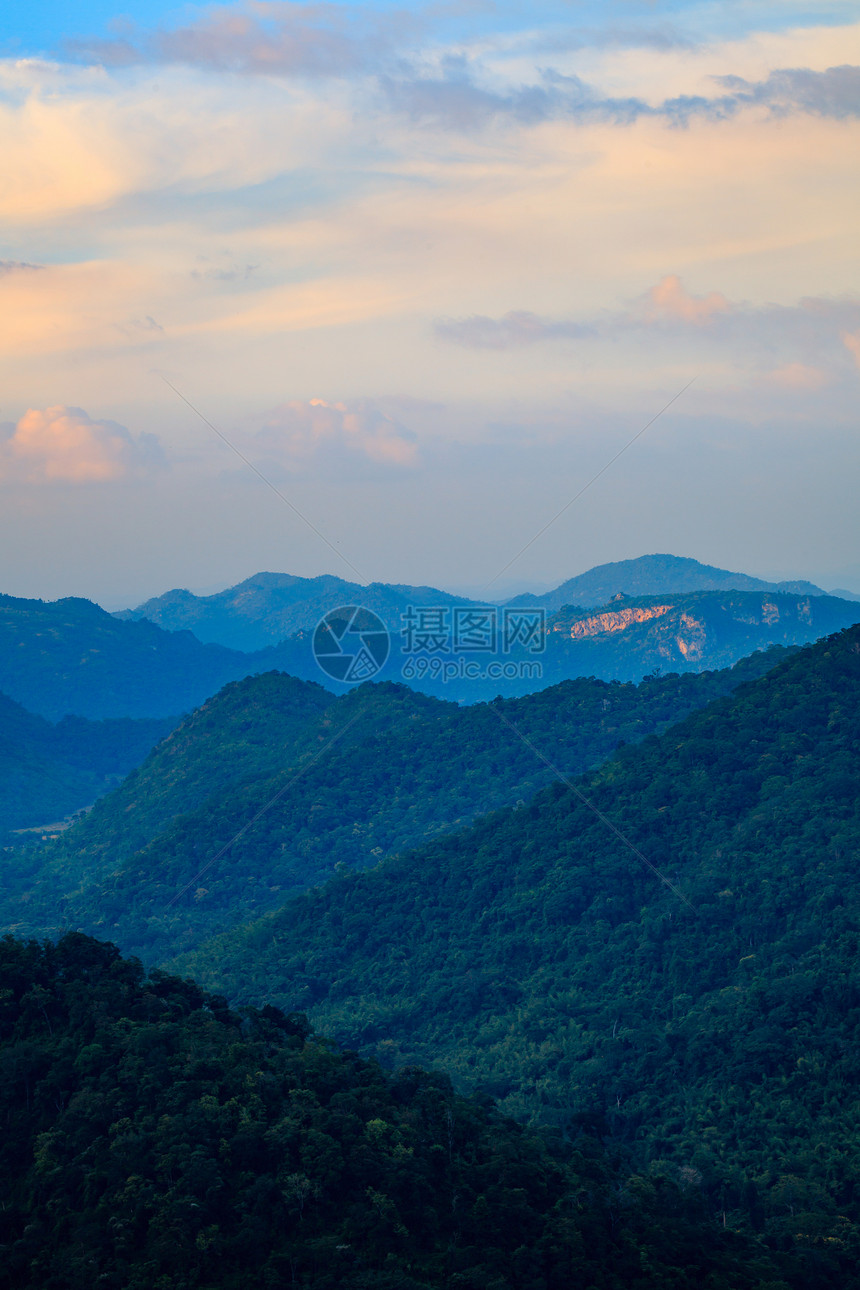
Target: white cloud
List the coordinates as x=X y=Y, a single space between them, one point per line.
x=63 y=445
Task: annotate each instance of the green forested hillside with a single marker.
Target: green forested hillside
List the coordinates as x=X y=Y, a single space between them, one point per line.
x=49 y=771
x=71 y=657
x=360 y=777
x=629 y=637
x=713 y=1023
x=155 y=1140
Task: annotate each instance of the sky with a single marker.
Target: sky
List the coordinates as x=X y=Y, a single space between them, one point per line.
x=382 y=290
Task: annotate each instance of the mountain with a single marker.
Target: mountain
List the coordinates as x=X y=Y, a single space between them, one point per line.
x=665 y=950
x=154 y=1138
x=49 y=771
x=269 y=607
x=630 y=637
x=274 y=785
x=71 y=657
x=655 y=575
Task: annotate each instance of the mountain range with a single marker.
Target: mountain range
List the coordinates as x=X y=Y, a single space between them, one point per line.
x=269 y=607
x=71 y=657
x=628 y=913
x=274 y=785
x=663 y=952
x=658 y=956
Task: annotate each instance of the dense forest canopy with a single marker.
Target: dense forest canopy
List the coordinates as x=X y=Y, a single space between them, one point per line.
x=712 y=1023
x=50 y=770
x=341 y=783
x=154 y=1139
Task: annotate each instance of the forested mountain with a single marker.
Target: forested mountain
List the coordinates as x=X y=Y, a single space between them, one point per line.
x=655 y=575
x=154 y=1138
x=341 y=783
x=630 y=637
x=49 y=771
x=71 y=657
x=269 y=607
x=706 y=1014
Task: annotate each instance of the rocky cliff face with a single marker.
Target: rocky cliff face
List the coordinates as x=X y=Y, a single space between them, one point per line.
x=614 y=620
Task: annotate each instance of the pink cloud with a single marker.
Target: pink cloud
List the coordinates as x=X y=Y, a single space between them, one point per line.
x=301 y=432
x=851 y=341
x=64 y=445
x=669 y=300
x=798 y=376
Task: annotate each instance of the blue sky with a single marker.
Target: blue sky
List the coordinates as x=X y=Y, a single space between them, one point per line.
x=429 y=268
x=43 y=26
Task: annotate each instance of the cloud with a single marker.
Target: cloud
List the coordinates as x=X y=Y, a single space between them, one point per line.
x=668 y=299
x=514 y=330
x=798 y=376
x=834 y=92
x=65 y=445
x=852 y=344
x=305 y=433
x=276 y=39
x=17 y=266
x=812 y=328
x=456 y=100
x=663 y=37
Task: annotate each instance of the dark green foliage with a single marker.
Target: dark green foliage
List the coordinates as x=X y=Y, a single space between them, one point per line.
x=70 y=656
x=153 y=1139
x=405 y=768
x=49 y=771
x=538 y=958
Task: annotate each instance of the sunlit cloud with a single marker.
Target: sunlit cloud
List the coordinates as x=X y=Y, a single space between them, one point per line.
x=810 y=326
x=798 y=376
x=668 y=299
x=300 y=435
x=63 y=445
x=851 y=341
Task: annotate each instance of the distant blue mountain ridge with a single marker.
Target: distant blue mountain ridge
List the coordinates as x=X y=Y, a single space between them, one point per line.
x=267 y=608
